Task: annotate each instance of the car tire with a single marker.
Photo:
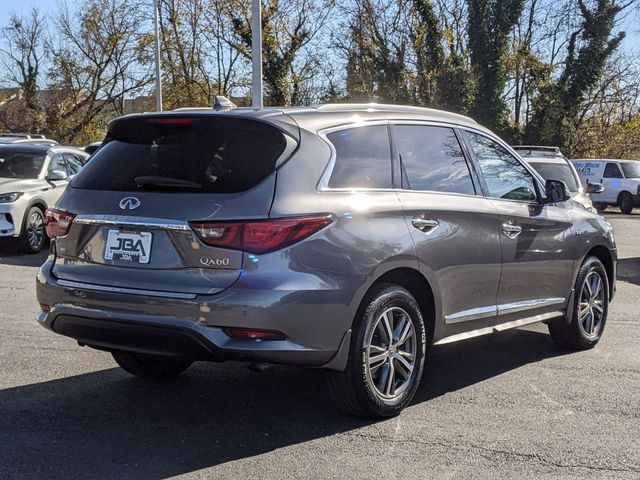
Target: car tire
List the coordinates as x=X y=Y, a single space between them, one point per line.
x=601 y=207
x=33 y=237
x=382 y=376
x=590 y=309
x=150 y=366
x=625 y=202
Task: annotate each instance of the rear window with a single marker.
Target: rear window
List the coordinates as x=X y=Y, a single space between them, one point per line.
x=557 y=171
x=183 y=154
x=363 y=158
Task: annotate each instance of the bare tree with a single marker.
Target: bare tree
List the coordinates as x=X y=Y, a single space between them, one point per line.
x=97 y=63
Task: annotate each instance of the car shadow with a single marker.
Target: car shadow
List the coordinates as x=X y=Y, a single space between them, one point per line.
x=8 y=256
x=629 y=270
x=106 y=424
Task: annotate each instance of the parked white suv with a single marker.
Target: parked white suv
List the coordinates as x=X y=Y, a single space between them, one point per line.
x=620 y=179
x=551 y=164
x=32 y=178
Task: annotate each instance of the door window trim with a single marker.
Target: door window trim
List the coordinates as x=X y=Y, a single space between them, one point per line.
x=323 y=183
x=393 y=124
x=537 y=180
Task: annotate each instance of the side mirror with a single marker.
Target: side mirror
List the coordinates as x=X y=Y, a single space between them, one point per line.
x=557 y=191
x=595 y=188
x=57 y=175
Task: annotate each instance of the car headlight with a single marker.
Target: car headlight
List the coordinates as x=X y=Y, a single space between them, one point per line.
x=10 y=197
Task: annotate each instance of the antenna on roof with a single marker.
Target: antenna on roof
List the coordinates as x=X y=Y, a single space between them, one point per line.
x=221 y=103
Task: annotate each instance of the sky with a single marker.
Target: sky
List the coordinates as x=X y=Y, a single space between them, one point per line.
x=631 y=22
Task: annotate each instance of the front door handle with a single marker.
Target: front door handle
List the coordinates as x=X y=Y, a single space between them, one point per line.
x=511 y=231
x=424 y=224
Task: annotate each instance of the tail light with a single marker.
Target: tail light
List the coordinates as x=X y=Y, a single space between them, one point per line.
x=260 y=236
x=57 y=222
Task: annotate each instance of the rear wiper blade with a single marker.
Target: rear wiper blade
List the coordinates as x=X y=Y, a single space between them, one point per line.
x=155 y=181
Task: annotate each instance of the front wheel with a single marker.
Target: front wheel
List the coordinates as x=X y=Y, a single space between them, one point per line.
x=150 y=366
x=33 y=237
x=601 y=207
x=590 y=308
x=386 y=356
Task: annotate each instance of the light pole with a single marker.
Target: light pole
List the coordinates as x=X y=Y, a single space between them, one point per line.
x=256 y=54
x=156 y=12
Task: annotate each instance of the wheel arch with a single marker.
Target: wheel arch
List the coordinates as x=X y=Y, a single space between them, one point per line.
x=415 y=282
x=623 y=192
x=603 y=254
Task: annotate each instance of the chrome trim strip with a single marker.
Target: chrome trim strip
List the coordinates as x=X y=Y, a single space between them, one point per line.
x=472 y=314
x=528 y=305
x=499 y=328
x=130 y=291
x=127 y=221
x=504 y=309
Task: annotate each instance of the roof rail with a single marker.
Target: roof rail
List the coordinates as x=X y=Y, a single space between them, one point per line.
x=537 y=148
x=384 y=107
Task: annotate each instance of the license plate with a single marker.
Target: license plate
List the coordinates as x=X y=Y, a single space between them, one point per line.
x=134 y=247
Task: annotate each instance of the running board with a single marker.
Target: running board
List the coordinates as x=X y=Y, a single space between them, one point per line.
x=500 y=328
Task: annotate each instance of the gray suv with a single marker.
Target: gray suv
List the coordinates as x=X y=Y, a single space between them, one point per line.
x=344 y=237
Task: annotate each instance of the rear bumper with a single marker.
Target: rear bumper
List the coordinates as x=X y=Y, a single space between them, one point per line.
x=316 y=324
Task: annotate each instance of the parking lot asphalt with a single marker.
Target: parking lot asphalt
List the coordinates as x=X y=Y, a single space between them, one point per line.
x=510 y=405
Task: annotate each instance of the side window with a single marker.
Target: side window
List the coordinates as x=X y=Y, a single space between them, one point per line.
x=432 y=159
x=58 y=163
x=505 y=176
x=73 y=163
x=612 y=171
x=363 y=158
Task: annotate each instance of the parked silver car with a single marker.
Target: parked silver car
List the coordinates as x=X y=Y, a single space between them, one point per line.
x=32 y=178
x=345 y=237
x=550 y=163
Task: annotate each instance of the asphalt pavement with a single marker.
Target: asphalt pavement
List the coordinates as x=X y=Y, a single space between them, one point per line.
x=512 y=405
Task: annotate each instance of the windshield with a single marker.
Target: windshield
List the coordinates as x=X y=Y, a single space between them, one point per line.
x=557 y=171
x=20 y=164
x=183 y=154
x=631 y=169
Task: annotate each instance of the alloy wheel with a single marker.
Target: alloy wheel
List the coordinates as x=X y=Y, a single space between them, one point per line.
x=591 y=306
x=35 y=231
x=391 y=353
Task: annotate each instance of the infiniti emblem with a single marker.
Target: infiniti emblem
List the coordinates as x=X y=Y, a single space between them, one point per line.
x=129 y=203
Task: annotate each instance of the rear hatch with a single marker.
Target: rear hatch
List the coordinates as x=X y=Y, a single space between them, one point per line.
x=137 y=200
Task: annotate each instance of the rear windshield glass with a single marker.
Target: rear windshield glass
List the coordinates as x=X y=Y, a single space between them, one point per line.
x=557 y=171
x=20 y=164
x=184 y=154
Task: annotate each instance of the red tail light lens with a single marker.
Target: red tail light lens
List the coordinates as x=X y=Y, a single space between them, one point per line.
x=57 y=223
x=254 y=334
x=260 y=236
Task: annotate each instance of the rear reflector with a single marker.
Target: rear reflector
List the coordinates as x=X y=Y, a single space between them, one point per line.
x=57 y=223
x=44 y=308
x=254 y=334
x=260 y=236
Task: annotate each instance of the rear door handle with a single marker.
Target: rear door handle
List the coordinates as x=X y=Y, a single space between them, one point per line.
x=511 y=231
x=424 y=224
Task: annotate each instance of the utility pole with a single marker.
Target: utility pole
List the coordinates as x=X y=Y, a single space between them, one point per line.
x=156 y=9
x=256 y=54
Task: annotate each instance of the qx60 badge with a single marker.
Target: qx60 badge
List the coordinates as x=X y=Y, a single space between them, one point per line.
x=129 y=203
